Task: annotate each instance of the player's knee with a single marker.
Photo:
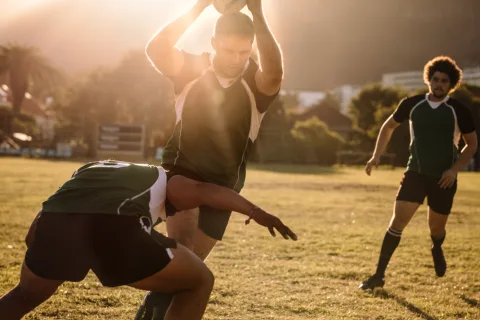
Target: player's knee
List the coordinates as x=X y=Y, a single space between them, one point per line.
x=436 y=230
x=398 y=223
x=206 y=279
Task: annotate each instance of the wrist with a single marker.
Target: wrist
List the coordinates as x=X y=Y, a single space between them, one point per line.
x=258 y=14
x=252 y=214
x=455 y=169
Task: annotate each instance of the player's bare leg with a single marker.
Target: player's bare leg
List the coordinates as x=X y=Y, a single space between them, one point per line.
x=181 y=227
x=29 y=293
x=203 y=244
x=437 y=223
x=188 y=278
x=402 y=214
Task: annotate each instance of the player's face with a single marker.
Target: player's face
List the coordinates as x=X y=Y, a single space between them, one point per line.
x=231 y=54
x=440 y=85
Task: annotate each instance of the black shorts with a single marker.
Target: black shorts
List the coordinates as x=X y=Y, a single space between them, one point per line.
x=416 y=186
x=213 y=222
x=116 y=248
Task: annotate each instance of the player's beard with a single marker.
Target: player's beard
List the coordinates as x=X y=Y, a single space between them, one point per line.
x=439 y=94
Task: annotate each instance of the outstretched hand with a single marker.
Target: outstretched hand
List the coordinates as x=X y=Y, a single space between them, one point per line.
x=272 y=223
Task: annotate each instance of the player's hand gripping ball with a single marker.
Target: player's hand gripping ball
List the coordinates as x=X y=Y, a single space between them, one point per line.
x=229 y=6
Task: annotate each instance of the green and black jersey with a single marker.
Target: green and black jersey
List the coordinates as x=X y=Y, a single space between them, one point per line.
x=217 y=121
x=112 y=187
x=435 y=130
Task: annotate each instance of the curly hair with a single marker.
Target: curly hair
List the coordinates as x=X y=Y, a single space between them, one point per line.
x=446 y=65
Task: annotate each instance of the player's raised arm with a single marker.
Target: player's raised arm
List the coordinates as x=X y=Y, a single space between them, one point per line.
x=161 y=49
x=270 y=75
x=184 y=194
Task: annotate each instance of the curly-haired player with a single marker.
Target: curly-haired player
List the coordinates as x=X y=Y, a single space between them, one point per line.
x=437 y=122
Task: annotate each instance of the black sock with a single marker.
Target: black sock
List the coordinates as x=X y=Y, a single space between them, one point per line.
x=390 y=243
x=155 y=306
x=438 y=242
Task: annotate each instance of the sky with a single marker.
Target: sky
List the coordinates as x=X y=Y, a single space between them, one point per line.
x=103 y=28
x=326 y=43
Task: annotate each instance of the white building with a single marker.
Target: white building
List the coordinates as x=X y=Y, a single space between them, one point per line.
x=413 y=80
x=344 y=95
x=309 y=98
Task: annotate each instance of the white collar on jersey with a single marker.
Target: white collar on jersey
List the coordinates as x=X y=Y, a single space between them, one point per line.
x=435 y=104
x=226 y=82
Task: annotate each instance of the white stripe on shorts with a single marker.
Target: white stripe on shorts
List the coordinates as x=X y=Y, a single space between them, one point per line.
x=170 y=253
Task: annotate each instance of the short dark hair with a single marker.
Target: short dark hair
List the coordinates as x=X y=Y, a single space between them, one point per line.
x=237 y=23
x=446 y=65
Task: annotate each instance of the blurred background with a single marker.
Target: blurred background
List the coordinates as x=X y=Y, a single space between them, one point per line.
x=75 y=82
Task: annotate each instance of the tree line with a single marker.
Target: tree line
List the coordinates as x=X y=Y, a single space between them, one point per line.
x=133 y=93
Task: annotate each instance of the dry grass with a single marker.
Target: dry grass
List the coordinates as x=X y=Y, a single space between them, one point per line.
x=340 y=216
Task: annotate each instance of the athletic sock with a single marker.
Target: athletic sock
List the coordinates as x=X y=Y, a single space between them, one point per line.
x=161 y=308
x=155 y=306
x=390 y=243
x=438 y=242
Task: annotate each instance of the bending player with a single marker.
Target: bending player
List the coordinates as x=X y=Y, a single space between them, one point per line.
x=101 y=220
x=437 y=123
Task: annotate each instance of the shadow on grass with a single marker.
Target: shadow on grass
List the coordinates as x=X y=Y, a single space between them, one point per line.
x=384 y=294
x=296 y=169
x=472 y=302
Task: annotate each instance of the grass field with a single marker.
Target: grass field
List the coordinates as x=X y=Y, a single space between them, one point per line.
x=340 y=216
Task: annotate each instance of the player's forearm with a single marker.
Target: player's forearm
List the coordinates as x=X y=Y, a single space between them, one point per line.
x=383 y=139
x=467 y=153
x=167 y=37
x=271 y=61
x=224 y=199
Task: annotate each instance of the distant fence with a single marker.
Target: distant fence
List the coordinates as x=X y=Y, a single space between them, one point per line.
x=35 y=153
x=358 y=157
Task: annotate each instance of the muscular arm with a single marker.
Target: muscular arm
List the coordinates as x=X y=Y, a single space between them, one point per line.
x=270 y=75
x=383 y=138
x=184 y=194
x=161 y=50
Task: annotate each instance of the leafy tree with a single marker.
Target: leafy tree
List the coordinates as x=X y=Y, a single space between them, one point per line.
x=371 y=98
x=131 y=93
x=26 y=68
x=315 y=143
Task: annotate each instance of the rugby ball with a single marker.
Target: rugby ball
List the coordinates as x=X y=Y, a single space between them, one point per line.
x=229 y=6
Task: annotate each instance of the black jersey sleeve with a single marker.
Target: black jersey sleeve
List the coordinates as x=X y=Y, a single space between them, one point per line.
x=262 y=101
x=464 y=116
x=193 y=67
x=405 y=106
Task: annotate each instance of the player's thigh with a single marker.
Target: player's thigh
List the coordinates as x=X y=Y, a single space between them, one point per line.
x=440 y=200
x=402 y=214
x=185 y=272
x=203 y=244
x=182 y=226
x=437 y=222
x=37 y=287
